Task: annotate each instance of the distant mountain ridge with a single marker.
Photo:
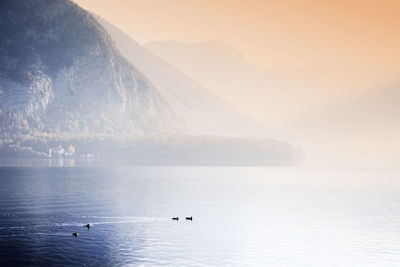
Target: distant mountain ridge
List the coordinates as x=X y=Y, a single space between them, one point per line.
x=270 y=94
x=203 y=111
x=328 y=110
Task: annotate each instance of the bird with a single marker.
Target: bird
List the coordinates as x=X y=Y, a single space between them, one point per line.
x=75 y=234
x=88 y=226
x=175 y=218
x=189 y=218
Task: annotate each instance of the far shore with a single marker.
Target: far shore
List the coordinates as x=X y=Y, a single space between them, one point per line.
x=124 y=162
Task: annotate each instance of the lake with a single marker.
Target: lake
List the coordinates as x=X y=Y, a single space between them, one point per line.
x=242 y=216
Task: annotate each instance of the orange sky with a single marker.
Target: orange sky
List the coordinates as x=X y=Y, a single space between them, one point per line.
x=269 y=32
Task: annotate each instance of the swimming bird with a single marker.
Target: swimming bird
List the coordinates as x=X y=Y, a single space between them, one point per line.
x=75 y=234
x=88 y=226
x=175 y=218
x=189 y=218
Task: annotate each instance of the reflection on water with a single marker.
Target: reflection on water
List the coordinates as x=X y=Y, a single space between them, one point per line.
x=241 y=216
x=61 y=162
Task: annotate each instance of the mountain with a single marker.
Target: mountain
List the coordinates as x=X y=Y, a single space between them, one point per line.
x=271 y=94
x=61 y=73
x=203 y=111
x=69 y=91
x=338 y=114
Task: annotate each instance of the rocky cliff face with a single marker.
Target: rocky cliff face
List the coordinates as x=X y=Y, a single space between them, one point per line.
x=60 y=72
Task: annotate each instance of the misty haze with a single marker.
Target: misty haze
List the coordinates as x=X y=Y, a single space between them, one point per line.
x=193 y=133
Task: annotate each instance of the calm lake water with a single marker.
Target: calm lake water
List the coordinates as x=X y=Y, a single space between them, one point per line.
x=242 y=216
